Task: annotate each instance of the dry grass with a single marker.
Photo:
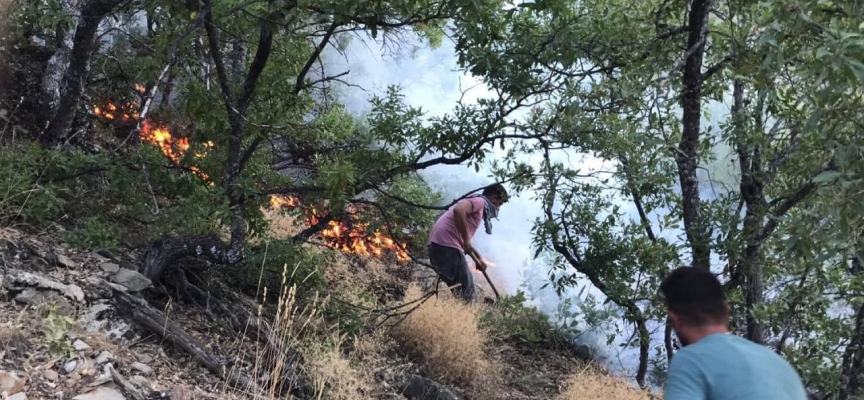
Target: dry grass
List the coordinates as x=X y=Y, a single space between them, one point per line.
x=443 y=332
x=592 y=383
x=287 y=324
x=16 y=334
x=331 y=374
x=281 y=225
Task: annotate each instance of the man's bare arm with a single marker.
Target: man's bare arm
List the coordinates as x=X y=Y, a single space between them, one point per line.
x=460 y=216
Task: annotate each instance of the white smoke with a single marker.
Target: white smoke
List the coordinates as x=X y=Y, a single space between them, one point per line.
x=431 y=80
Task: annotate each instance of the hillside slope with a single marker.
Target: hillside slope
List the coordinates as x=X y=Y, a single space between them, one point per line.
x=68 y=332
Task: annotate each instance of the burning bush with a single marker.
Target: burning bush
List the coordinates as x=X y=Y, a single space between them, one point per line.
x=443 y=332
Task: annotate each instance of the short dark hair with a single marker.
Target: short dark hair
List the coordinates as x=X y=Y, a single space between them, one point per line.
x=496 y=190
x=695 y=295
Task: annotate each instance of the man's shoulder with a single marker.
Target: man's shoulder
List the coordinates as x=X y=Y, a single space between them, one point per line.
x=477 y=203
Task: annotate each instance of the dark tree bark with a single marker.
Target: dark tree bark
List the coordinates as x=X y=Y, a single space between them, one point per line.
x=852 y=371
x=75 y=78
x=852 y=374
x=686 y=156
x=753 y=196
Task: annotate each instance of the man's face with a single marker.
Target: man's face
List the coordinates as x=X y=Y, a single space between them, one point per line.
x=497 y=201
x=678 y=327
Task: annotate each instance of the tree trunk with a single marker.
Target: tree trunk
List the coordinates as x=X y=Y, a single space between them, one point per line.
x=55 y=69
x=75 y=77
x=852 y=372
x=165 y=251
x=686 y=157
x=753 y=196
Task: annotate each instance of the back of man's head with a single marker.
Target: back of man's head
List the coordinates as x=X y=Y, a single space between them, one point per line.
x=695 y=296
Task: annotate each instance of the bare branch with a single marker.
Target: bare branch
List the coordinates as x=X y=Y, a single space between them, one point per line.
x=216 y=55
x=717 y=67
x=299 y=86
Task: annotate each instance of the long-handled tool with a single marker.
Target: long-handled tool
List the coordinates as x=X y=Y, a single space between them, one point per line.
x=477 y=262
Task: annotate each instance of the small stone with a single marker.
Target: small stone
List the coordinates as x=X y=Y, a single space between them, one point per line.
x=132 y=280
x=110 y=267
x=66 y=261
x=79 y=345
x=70 y=366
x=10 y=383
x=104 y=378
x=17 y=396
x=30 y=296
x=106 y=254
x=143 y=368
x=104 y=357
x=101 y=393
x=140 y=381
x=144 y=358
x=51 y=375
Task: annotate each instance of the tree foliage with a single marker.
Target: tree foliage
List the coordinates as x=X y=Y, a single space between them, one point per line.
x=721 y=134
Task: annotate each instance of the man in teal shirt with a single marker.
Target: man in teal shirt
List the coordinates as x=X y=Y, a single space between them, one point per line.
x=715 y=364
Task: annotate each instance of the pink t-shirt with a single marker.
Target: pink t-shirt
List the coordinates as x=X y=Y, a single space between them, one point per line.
x=445 y=232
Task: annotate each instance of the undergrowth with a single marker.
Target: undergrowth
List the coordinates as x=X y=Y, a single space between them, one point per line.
x=592 y=383
x=509 y=318
x=444 y=335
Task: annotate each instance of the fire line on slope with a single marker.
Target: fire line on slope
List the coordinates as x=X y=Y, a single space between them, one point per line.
x=348 y=236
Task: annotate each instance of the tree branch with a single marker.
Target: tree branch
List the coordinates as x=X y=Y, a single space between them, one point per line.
x=216 y=55
x=717 y=67
x=299 y=85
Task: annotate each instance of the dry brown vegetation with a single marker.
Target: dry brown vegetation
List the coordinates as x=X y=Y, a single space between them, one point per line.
x=592 y=383
x=444 y=334
x=331 y=373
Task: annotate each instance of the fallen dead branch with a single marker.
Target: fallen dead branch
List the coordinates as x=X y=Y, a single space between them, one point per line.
x=142 y=313
x=124 y=384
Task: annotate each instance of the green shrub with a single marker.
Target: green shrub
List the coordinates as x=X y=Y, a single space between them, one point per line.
x=269 y=261
x=511 y=319
x=95 y=234
x=24 y=196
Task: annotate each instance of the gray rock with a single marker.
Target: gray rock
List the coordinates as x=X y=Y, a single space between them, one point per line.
x=140 y=381
x=66 y=261
x=70 y=366
x=142 y=368
x=79 y=345
x=30 y=296
x=104 y=357
x=132 y=280
x=17 y=279
x=110 y=267
x=51 y=375
x=419 y=388
x=144 y=358
x=17 y=396
x=101 y=393
x=9 y=381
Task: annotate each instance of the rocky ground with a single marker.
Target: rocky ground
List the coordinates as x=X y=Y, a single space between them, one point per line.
x=63 y=335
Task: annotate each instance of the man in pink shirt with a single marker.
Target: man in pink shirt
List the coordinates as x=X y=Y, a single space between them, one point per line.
x=450 y=239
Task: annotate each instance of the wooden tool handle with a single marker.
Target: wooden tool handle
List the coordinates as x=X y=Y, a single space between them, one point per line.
x=477 y=262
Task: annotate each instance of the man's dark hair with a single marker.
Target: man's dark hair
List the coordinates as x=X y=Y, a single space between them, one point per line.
x=496 y=190
x=695 y=295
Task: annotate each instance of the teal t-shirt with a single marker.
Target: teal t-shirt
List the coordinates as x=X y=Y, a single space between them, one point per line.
x=726 y=367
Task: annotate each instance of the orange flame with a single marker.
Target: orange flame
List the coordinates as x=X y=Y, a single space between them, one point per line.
x=348 y=236
x=488 y=264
